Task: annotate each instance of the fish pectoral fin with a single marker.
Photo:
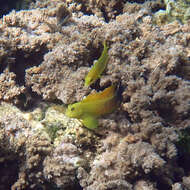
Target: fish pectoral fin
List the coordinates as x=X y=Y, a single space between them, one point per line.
x=90 y=122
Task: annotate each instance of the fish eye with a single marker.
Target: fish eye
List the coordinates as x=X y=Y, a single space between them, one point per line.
x=72 y=109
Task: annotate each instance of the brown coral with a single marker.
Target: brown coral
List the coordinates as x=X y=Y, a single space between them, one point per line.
x=48 y=53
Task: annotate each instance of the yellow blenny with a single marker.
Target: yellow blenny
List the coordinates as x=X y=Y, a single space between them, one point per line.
x=98 y=67
x=93 y=106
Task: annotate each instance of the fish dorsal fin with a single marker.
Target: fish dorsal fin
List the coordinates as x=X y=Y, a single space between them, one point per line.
x=108 y=92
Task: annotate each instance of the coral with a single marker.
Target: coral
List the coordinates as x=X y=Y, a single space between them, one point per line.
x=45 y=55
x=186 y=181
x=8 y=87
x=62 y=165
x=22 y=144
x=177 y=186
x=143 y=184
x=32 y=40
x=175 y=10
x=29 y=137
x=105 y=9
x=125 y=161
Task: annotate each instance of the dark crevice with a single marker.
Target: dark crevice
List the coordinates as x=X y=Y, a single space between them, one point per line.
x=76 y=186
x=183 y=147
x=128 y=117
x=8 y=5
x=94 y=55
x=163 y=179
x=28 y=100
x=9 y=173
x=52 y=186
x=55 y=101
x=182 y=69
x=118 y=8
x=160 y=184
x=25 y=60
x=106 y=18
x=3 y=65
x=164 y=110
x=183 y=161
x=157 y=6
x=136 y=33
x=96 y=85
x=136 y=1
x=17 y=62
x=84 y=9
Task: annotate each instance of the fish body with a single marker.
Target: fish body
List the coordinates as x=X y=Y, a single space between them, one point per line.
x=93 y=106
x=98 y=67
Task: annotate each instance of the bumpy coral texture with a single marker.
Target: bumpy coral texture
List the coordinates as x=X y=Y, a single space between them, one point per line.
x=45 y=56
x=24 y=150
x=175 y=10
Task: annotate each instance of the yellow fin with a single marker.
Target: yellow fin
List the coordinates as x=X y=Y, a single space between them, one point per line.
x=108 y=92
x=90 y=121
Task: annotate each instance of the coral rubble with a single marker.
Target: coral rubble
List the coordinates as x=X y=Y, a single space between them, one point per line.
x=45 y=54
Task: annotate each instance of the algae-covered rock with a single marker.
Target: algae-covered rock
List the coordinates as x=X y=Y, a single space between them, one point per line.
x=40 y=138
x=175 y=10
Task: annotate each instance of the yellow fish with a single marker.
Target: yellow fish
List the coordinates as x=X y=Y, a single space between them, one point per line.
x=98 y=67
x=93 y=106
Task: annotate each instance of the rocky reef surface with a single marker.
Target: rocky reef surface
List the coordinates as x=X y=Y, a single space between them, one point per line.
x=45 y=54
